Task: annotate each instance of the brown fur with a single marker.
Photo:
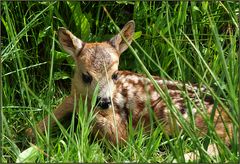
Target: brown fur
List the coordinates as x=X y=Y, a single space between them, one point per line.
x=130 y=92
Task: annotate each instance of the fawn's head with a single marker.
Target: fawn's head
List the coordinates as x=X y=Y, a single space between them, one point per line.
x=96 y=63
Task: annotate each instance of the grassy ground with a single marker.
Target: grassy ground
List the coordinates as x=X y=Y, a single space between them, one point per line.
x=187 y=41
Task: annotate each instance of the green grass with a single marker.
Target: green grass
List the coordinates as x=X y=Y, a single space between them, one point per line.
x=187 y=41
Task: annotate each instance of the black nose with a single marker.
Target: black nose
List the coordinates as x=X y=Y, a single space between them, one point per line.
x=103 y=103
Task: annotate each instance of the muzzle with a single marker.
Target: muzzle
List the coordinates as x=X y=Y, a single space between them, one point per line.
x=103 y=103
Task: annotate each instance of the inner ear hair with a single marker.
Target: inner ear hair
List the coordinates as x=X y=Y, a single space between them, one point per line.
x=70 y=43
x=127 y=32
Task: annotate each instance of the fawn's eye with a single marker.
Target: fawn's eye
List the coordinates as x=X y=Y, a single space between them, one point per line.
x=115 y=76
x=87 y=78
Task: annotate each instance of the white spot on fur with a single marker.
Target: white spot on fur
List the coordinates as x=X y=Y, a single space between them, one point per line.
x=123 y=80
x=194 y=111
x=130 y=87
x=134 y=78
x=185 y=115
x=130 y=93
x=125 y=84
x=167 y=82
x=120 y=100
x=172 y=92
x=160 y=81
x=154 y=95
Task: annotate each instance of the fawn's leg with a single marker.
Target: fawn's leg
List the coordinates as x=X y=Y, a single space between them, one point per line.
x=211 y=150
x=61 y=111
x=219 y=124
x=112 y=125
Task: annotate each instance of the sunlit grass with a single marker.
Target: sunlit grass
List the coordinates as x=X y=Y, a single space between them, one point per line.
x=186 y=41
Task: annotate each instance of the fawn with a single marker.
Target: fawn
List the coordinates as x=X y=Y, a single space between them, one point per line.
x=124 y=93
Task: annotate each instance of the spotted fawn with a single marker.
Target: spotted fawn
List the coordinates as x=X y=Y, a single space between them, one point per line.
x=124 y=94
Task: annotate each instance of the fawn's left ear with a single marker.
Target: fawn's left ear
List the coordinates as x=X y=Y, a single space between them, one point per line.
x=127 y=32
x=70 y=43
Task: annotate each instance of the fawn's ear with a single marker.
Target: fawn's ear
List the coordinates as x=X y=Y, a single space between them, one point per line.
x=127 y=32
x=70 y=43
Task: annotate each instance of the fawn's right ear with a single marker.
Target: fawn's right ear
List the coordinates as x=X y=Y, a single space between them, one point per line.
x=70 y=43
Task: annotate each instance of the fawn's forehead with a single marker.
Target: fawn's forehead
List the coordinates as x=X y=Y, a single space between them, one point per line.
x=99 y=57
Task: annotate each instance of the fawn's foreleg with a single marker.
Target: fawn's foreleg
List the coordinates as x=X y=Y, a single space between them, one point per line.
x=65 y=108
x=111 y=125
